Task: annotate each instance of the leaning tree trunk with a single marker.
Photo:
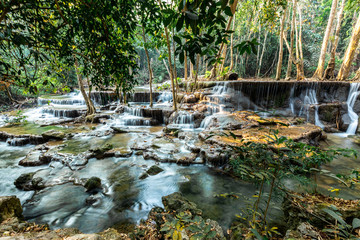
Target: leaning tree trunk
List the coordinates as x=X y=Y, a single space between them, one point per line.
x=281 y=51
x=320 y=68
x=291 y=49
x=223 y=56
x=329 y=72
x=8 y=93
x=350 y=53
x=357 y=75
x=170 y=65
x=149 y=66
x=89 y=104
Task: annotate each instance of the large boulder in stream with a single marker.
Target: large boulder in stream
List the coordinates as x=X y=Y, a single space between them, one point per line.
x=10 y=207
x=36 y=157
x=27 y=182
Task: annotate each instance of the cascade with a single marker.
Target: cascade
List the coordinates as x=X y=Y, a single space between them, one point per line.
x=308 y=98
x=353 y=95
x=165 y=97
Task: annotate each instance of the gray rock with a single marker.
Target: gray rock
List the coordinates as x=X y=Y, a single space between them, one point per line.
x=93 y=184
x=177 y=203
x=154 y=170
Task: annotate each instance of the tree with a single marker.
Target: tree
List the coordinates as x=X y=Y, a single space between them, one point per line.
x=281 y=42
x=320 y=69
x=329 y=72
x=350 y=52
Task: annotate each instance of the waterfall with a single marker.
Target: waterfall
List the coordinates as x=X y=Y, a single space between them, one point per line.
x=165 y=97
x=353 y=95
x=309 y=99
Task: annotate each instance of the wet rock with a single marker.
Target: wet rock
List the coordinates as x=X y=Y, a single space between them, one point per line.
x=93 y=184
x=156 y=114
x=54 y=135
x=120 y=109
x=35 y=158
x=93 y=199
x=143 y=176
x=10 y=207
x=190 y=98
x=21 y=140
x=120 y=129
x=154 y=170
x=97 y=118
x=27 y=182
x=177 y=203
x=99 y=152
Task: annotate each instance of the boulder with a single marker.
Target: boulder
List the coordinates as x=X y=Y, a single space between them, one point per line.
x=93 y=184
x=53 y=135
x=190 y=98
x=177 y=203
x=120 y=109
x=35 y=158
x=10 y=207
x=27 y=182
x=154 y=170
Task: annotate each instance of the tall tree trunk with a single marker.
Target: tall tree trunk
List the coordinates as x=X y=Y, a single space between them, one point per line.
x=196 y=72
x=291 y=50
x=281 y=51
x=89 y=104
x=149 y=66
x=357 y=75
x=233 y=10
x=320 y=68
x=298 y=45
x=262 y=54
x=350 y=52
x=191 y=70
x=175 y=70
x=223 y=56
x=165 y=64
x=232 y=48
x=185 y=67
x=170 y=65
x=329 y=72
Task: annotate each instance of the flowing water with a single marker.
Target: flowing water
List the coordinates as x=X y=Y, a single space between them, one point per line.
x=125 y=197
x=353 y=95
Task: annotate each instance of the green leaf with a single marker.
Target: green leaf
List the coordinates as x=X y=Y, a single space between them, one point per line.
x=336 y=216
x=193 y=228
x=257 y=234
x=228 y=11
x=356 y=223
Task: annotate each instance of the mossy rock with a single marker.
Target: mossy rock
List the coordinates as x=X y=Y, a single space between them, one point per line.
x=93 y=184
x=10 y=207
x=153 y=170
x=177 y=203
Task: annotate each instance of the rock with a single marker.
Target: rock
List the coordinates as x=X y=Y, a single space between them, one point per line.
x=10 y=207
x=143 y=176
x=215 y=226
x=97 y=118
x=26 y=182
x=98 y=152
x=120 y=109
x=53 y=135
x=93 y=184
x=177 y=203
x=120 y=129
x=35 y=158
x=84 y=237
x=154 y=170
x=190 y=98
x=232 y=76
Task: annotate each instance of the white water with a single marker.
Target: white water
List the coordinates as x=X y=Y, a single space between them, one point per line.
x=353 y=95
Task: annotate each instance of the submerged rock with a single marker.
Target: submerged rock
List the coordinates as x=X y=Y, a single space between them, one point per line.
x=93 y=184
x=154 y=170
x=10 y=207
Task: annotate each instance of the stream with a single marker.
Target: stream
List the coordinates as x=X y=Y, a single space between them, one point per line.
x=125 y=197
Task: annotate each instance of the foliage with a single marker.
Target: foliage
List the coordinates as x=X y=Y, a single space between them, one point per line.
x=280 y=158
x=340 y=230
x=194 y=226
